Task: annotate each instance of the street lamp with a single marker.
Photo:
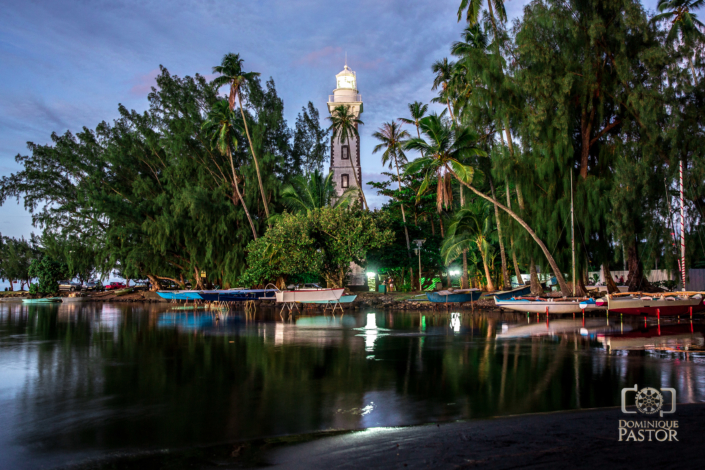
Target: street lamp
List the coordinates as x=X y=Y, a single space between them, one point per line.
x=418 y=250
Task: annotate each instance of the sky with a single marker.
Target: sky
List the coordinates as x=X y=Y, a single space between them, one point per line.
x=66 y=64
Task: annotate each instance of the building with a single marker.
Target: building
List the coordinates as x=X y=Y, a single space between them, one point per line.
x=345 y=156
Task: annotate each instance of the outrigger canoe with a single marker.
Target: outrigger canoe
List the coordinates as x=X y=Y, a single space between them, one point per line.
x=345 y=299
x=239 y=295
x=508 y=294
x=309 y=295
x=179 y=294
x=553 y=306
x=454 y=296
x=664 y=303
x=45 y=300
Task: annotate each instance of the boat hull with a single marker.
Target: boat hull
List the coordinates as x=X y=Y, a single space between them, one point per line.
x=654 y=307
x=507 y=295
x=345 y=299
x=238 y=295
x=309 y=295
x=453 y=298
x=179 y=294
x=542 y=306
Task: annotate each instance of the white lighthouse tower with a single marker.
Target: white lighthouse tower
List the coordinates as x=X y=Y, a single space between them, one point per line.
x=345 y=157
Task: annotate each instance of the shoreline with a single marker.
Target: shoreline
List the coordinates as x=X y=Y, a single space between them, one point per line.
x=557 y=439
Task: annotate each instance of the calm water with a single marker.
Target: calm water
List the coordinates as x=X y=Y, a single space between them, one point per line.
x=83 y=380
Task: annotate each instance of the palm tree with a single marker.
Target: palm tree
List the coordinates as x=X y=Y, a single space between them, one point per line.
x=684 y=23
x=442 y=155
x=417 y=111
x=444 y=72
x=231 y=73
x=343 y=123
x=392 y=137
x=221 y=131
x=470 y=225
x=307 y=193
x=473 y=7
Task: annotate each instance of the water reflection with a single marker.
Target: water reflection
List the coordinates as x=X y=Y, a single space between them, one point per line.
x=85 y=378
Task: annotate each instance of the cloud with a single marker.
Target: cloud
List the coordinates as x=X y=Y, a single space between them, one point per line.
x=319 y=57
x=143 y=84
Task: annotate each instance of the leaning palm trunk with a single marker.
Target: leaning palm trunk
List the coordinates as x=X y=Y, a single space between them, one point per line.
x=556 y=272
x=464 y=278
x=490 y=284
x=535 y=284
x=505 y=272
x=403 y=215
x=517 y=271
x=254 y=157
x=239 y=196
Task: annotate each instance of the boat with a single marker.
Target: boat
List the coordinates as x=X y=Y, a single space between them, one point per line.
x=345 y=299
x=45 y=300
x=508 y=294
x=543 y=305
x=306 y=295
x=237 y=295
x=179 y=294
x=454 y=296
x=655 y=305
x=127 y=290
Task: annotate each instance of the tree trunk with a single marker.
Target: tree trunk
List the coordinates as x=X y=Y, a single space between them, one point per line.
x=609 y=281
x=536 y=288
x=490 y=284
x=12 y=288
x=464 y=278
x=556 y=272
x=505 y=273
x=411 y=278
x=403 y=215
x=239 y=196
x=153 y=283
x=199 y=283
x=517 y=271
x=433 y=228
x=254 y=157
x=636 y=280
x=440 y=222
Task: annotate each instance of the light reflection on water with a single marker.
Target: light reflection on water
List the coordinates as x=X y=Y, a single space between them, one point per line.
x=82 y=379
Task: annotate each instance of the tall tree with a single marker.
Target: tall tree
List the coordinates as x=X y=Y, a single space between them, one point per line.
x=417 y=110
x=344 y=123
x=392 y=138
x=442 y=155
x=683 y=22
x=231 y=74
x=310 y=149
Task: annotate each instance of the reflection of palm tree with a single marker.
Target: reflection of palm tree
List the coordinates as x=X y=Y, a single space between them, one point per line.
x=231 y=73
x=313 y=191
x=219 y=126
x=343 y=123
x=683 y=22
x=392 y=136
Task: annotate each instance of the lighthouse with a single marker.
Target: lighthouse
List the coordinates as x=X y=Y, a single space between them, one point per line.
x=345 y=156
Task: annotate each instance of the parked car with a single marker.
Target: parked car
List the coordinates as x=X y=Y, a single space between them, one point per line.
x=93 y=285
x=166 y=284
x=115 y=286
x=70 y=286
x=142 y=285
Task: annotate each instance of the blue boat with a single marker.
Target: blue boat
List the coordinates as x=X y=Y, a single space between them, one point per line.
x=458 y=296
x=179 y=294
x=508 y=294
x=238 y=295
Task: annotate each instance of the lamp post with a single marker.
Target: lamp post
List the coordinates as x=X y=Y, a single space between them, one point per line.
x=418 y=250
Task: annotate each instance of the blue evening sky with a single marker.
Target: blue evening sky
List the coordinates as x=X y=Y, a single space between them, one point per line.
x=65 y=64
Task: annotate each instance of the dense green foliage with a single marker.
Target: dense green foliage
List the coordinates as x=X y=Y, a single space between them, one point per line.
x=47 y=271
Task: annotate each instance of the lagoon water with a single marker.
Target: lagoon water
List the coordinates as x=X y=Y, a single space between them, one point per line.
x=85 y=380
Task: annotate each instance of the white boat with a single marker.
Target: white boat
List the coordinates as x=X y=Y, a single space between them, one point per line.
x=345 y=299
x=552 y=306
x=309 y=295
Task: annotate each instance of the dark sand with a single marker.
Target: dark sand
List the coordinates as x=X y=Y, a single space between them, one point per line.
x=574 y=439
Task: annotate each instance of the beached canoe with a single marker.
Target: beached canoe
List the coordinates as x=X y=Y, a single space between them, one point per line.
x=553 y=306
x=454 y=296
x=179 y=294
x=508 y=294
x=664 y=303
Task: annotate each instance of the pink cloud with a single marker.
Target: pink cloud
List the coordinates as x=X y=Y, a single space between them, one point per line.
x=317 y=57
x=144 y=83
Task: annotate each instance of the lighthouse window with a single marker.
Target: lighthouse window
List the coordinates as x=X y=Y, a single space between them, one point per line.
x=345 y=152
x=344 y=181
